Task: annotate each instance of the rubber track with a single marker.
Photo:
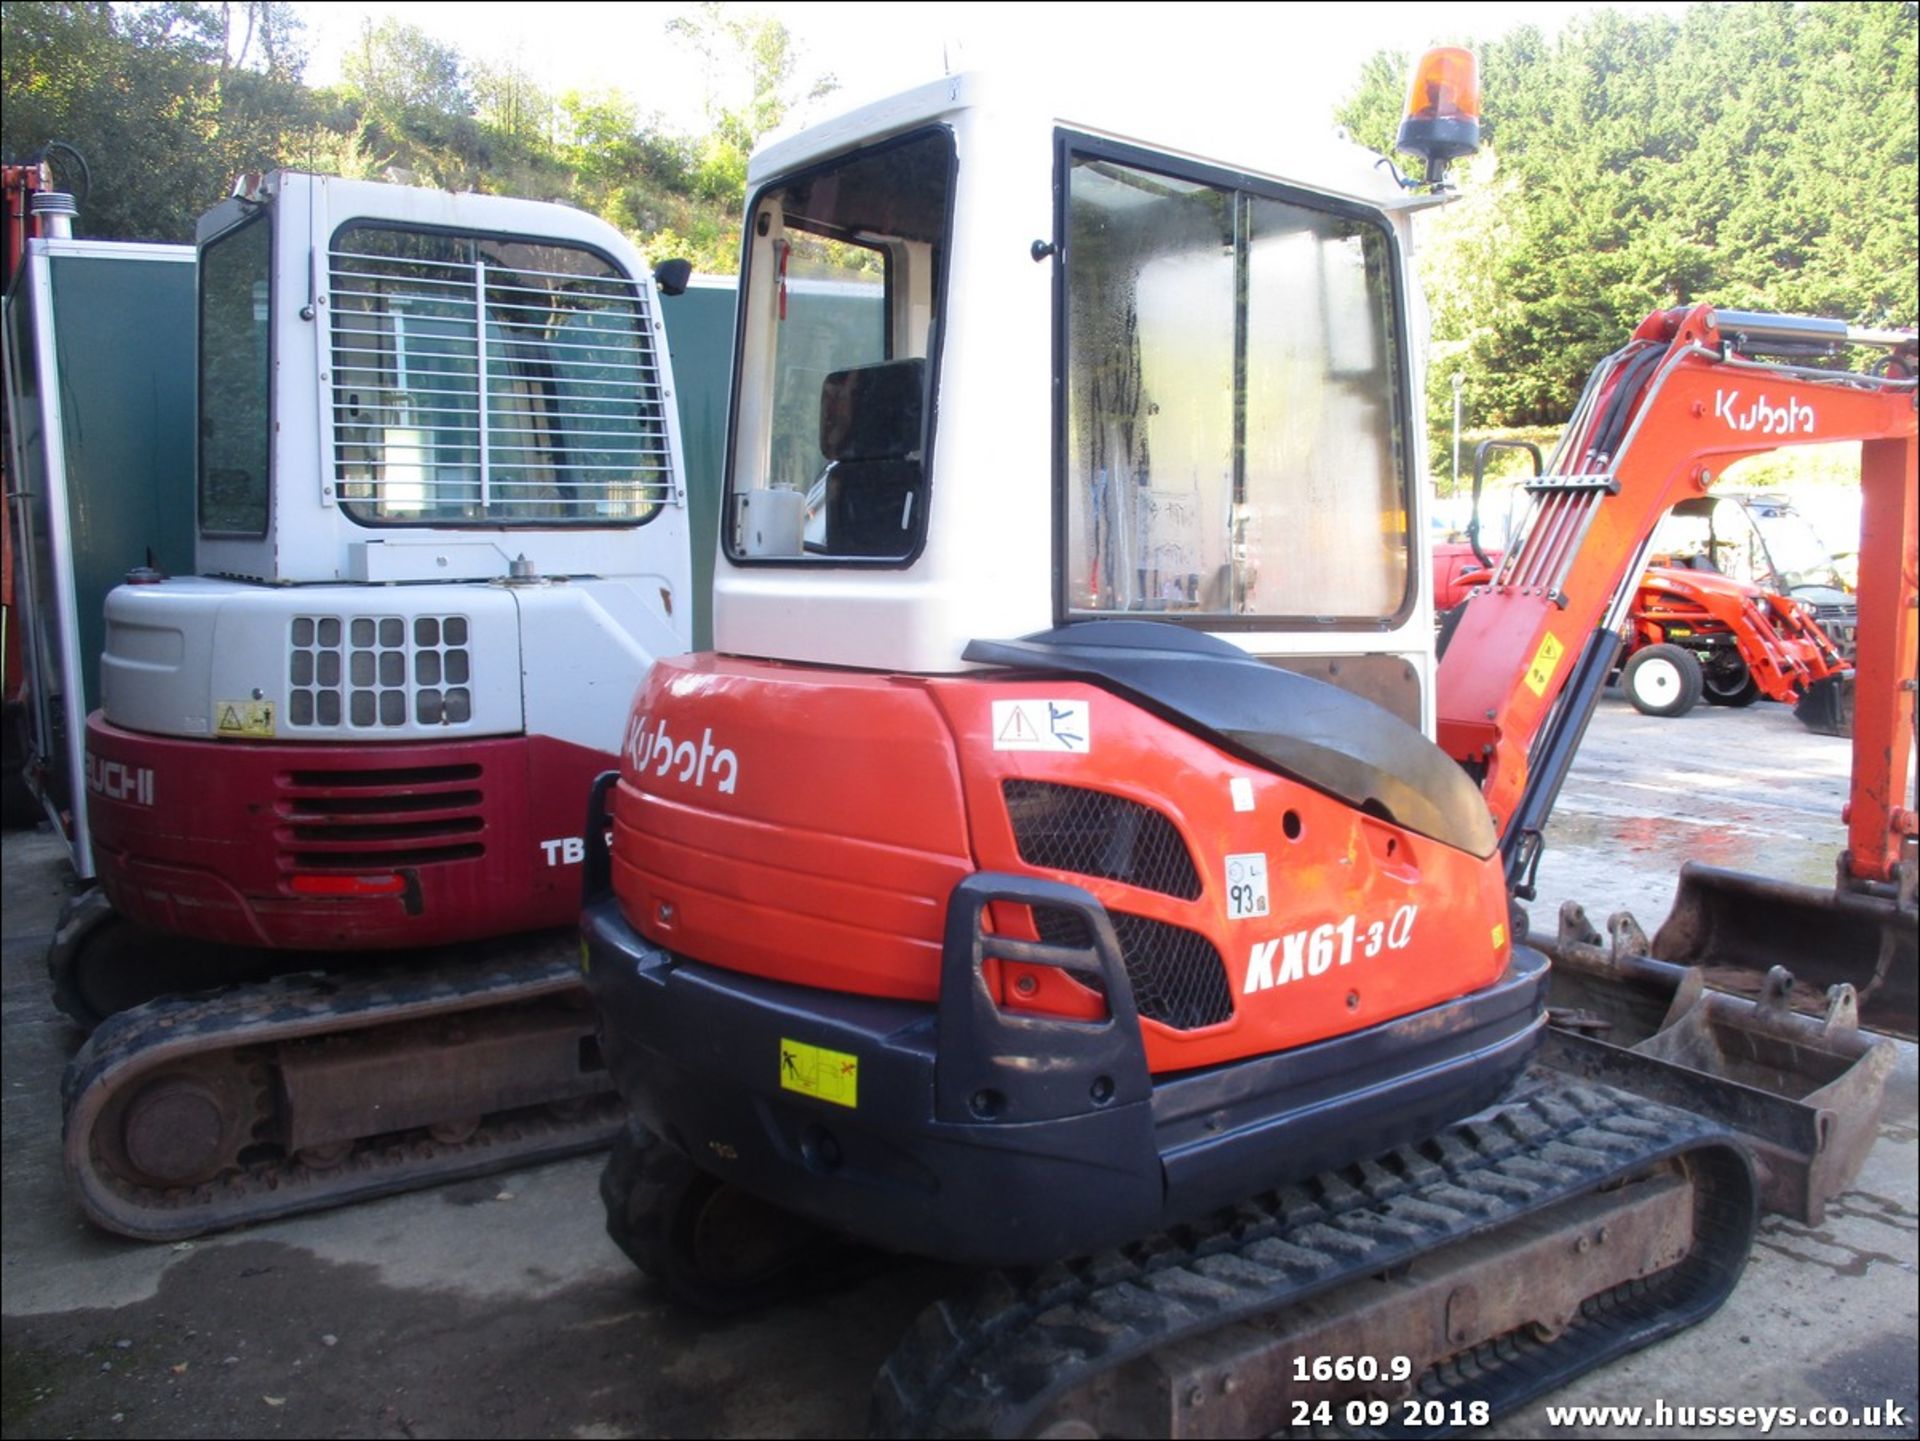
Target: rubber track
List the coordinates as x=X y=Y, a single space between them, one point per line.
x=118 y=1053
x=991 y=1363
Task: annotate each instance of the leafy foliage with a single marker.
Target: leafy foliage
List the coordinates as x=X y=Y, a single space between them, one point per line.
x=1761 y=156
x=1758 y=156
x=169 y=101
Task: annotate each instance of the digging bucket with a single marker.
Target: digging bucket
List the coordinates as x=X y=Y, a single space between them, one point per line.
x=1737 y=927
x=1804 y=1091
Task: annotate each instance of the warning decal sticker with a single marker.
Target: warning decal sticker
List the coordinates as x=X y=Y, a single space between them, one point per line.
x=1546 y=660
x=815 y=1071
x=243 y=718
x=1042 y=725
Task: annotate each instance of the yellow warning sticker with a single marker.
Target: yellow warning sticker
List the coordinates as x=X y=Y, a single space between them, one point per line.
x=1499 y=936
x=243 y=718
x=815 y=1071
x=1546 y=660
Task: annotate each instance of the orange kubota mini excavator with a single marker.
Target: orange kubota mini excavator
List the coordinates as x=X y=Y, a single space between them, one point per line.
x=1010 y=951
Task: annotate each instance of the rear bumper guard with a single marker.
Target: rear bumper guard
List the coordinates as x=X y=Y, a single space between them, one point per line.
x=970 y=1133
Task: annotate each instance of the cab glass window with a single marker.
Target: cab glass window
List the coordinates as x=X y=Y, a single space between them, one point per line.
x=1234 y=443
x=841 y=301
x=235 y=328
x=486 y=381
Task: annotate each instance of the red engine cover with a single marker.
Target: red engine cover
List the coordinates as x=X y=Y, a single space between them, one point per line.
x=807 y=825
x=333 y=847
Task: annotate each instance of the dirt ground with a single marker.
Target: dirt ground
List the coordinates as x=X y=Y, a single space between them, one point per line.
x=498 y=1308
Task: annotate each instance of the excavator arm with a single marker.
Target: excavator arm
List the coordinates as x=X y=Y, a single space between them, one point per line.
x=1658 y=421
x=1527 y=660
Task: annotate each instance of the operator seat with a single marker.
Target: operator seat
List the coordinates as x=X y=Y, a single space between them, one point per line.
x=871 y=436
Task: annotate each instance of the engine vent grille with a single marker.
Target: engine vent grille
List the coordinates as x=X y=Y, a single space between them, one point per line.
x=378 y=673
x=1091 y=833
x=1177 y=976
x=1842 y=625
x=380 y=819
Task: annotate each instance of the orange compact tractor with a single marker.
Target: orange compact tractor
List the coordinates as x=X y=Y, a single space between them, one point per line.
x=1695 y=634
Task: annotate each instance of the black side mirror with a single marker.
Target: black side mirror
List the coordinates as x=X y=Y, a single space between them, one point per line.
x=671 y=276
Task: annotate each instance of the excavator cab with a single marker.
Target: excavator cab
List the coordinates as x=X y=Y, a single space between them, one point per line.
x=891 y=497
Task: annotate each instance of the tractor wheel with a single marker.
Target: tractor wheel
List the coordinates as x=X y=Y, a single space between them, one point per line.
x=1662 y=680
x=711 y=1245
x=1725 y=680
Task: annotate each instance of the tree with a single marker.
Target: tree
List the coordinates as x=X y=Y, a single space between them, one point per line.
x=400 y=70
x=509 y=103
x=752 y=59
x=1758 y=156
x=167 y=102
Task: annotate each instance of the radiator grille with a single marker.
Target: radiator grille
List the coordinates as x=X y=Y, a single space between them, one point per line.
x=495 y=382
x=380 y=818
x=1091 y=833
x=1177 y=976
x=379 y=672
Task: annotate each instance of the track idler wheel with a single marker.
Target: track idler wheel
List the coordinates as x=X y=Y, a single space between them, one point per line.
x=713 y=1246
x=184 y=1126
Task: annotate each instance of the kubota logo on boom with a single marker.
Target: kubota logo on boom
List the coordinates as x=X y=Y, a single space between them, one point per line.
x=684 y=761
x=1794 y=418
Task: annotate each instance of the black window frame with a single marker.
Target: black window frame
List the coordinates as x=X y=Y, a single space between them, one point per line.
x=1072 y=144
x=942 y=259
x=505 y=237
x=263 y=215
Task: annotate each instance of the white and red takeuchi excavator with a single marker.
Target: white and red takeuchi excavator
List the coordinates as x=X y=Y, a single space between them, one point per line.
x=441 y=531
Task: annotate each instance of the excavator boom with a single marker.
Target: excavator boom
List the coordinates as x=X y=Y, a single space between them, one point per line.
x=1659 y=421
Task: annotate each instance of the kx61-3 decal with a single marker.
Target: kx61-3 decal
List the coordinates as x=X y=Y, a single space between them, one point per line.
x=1317 y=950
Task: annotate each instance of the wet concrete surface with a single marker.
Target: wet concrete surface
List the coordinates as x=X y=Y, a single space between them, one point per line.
x=499 y=1308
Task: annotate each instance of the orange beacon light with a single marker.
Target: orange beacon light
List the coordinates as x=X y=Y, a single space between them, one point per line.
x=1442 y=118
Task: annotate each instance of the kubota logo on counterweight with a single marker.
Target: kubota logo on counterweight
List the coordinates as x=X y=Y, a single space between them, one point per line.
x=1316 y=951
x=695 y=764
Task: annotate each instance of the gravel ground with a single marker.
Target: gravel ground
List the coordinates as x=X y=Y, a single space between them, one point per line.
x=498 y=1308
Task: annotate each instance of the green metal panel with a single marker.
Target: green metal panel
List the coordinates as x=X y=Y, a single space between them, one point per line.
x=124 y=329
x=700 y=340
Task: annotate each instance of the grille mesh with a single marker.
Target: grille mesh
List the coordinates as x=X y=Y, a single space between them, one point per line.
x=1177 y=976
x=363 y=671
x=1091 y=833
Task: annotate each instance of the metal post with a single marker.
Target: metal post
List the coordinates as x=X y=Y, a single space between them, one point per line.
x=480 y=350
x=1459 y=380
